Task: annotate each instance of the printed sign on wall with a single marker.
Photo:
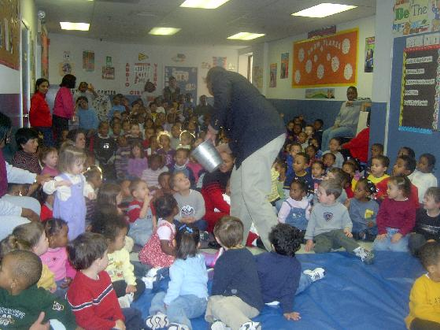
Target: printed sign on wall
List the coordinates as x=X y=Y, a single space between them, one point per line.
x=186 y=78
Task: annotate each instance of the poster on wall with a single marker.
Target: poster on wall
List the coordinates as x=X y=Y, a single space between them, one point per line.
x=369 y=54
x=257 y=76
x=419 y=103
x=326 y=61
x=273 y=75
x=284 y=69
x=66 y=68
x=108 y=72
x=320 y=93
x=44 y=53
x=10 y=34
x=219 y=61
x=416 y=16
x=144 y=72
x=88 y=61
x=186 y=78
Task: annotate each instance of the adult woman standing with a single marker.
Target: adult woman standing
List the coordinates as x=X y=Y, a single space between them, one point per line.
x=256 y=133
x=347 y=120
x=64 y=107
x=39 y=114
x=15 y=210
x=213 y=190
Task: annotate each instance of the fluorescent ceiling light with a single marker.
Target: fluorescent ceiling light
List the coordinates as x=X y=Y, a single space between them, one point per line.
x=75 y=26
x=246 y=36
x=163 y=31
x=323 y=10
x=204 y=4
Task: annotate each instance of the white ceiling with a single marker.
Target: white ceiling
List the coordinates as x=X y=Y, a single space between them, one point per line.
x=128 y=21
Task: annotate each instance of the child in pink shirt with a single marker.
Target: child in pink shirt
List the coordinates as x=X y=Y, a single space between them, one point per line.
x=56 y=258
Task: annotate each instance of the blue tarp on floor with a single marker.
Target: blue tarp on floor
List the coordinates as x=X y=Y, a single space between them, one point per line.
x=351 y=296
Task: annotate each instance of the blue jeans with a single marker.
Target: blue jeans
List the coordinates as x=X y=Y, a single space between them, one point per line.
x=331 y=133
x=304 y=283
x=201 y=224
x=181 y=309
x=386 y=245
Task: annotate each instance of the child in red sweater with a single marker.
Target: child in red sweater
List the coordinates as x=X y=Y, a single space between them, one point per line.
x=91 y=293
x=396 y=217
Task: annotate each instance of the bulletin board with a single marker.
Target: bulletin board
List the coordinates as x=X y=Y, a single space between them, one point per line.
x=10 y=34
x=186 y=78
x=420 y=84
x=326 y=61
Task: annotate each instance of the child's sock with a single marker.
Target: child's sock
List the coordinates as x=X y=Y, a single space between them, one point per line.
x=366 y=256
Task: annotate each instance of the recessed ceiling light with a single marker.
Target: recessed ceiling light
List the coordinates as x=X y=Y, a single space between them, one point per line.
x=323 y=10
x=204 y=4
x=163 y=31
x=246 y=36
x=75 y=26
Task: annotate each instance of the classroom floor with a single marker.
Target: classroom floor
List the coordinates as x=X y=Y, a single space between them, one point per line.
x=351 y=296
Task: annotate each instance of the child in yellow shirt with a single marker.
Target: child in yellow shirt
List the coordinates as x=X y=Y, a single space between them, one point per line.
x=424 y=300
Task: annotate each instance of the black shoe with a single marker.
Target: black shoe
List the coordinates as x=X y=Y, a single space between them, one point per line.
x=260 y=244
x=214 y=245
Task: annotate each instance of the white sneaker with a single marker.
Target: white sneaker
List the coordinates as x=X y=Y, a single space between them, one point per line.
x=219 y=325
x=366 y=256
x=157 y=321
x=177 y=326
x=125 y=301
x=251 y=326
x=150 y=278
x=315 y=274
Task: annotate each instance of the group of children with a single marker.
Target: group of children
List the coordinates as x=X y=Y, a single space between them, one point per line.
x=323 y=200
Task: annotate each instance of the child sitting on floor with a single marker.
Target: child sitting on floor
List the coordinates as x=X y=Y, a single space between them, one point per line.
x=334 y=147
x=280 y=272
x=379 y=167
x=114 y=229
x=396 y=217
x=363 y=211
x=21 y=302
x=236 y=291
x=91 y=293
x=142 y=220
x=187 y=293
x=423 y=178
x=427 y=227
x=55 y=258
x=31 y=237
x=330 y=224
x=191 y=202
x=295 y=210
x=424 y=301
x=159 y=251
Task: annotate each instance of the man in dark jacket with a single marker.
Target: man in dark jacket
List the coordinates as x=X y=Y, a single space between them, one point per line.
x=256 y=134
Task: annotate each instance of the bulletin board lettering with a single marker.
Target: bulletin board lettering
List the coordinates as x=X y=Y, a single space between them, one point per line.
x=326 y=61
x=420 y=89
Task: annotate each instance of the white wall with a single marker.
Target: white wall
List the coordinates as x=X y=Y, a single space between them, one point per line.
x=128 y=53
x=284 y=88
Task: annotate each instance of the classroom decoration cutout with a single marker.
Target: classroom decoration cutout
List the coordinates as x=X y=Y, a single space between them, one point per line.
x=219 y=61
x=10 y=34
x=416 y=16
x=88 y=61
x=273 y=75
x=369 y=54
x=420 y=86
x=284 y=70
x=186 y=78
x=326 y=61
